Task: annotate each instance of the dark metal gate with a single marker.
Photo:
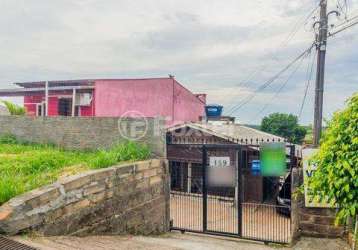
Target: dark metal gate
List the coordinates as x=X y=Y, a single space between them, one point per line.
x=249 y=208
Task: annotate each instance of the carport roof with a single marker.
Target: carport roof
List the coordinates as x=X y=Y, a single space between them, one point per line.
x=41 y=90
x=236 y=133
x=230 y=131
x=57 y=83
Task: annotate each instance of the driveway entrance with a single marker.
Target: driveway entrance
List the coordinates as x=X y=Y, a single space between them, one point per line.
x=225 y=208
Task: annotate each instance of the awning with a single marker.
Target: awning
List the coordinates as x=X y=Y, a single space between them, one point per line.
x=56 y=83
x=41 y=90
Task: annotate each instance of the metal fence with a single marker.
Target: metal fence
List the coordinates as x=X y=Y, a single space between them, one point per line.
x=263 y=222
x=195 y=206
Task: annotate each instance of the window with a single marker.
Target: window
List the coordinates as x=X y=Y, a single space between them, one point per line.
x=65 y=107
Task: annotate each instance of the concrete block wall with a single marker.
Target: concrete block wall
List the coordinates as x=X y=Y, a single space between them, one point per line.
x=126 y=199
x=319 y=222
x=307 y=221
x=86 y=132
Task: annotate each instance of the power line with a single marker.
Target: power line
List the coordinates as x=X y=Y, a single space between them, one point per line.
x=343 y=9
x=245 y=82
x=281 y=88
x=271 y=80
x=346 y=21
x=342 y=29
x=298 y=24
x=309 y=78
x=283 y=44
x=267 y=83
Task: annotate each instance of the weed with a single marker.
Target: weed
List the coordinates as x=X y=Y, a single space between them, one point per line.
x=25 y=166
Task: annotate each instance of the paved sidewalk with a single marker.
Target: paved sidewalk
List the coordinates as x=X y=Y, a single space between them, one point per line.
x=172 y=241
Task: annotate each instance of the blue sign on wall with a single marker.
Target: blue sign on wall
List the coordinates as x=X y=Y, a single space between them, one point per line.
x=256 y=167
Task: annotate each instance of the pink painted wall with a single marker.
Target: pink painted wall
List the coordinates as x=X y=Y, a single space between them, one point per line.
x=31 y=101
x=150 y=97
x=187 y=106
x=154 y=97
x=52 y=106
x=30 y=104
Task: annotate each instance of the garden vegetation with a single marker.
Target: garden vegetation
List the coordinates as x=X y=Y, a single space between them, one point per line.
x=13 y=108
x=25 y=166
x=337 y=160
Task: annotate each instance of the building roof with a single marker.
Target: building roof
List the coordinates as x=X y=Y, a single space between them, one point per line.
x=235 y=132
x=79 y=82
x=41 y=90
x=41 y=84
x=38 y=87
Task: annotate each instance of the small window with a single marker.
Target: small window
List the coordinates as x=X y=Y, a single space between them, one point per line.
x=65 y=107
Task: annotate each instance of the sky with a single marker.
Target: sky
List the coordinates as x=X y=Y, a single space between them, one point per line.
x=226 y=49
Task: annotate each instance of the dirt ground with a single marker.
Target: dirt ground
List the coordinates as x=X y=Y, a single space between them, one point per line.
x=259 y=221
x=172 y=241
x=262 y=222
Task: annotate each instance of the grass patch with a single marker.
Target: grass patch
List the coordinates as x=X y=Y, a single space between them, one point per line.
x=25 y=166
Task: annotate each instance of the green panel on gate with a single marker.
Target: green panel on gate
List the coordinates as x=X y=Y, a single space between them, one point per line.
x=273 y=159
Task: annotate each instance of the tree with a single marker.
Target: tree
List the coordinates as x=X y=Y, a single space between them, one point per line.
x=13 y=108
x=336 y=176
x=285 y=125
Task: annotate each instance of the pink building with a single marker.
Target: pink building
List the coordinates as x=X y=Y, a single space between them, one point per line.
x=111 y=97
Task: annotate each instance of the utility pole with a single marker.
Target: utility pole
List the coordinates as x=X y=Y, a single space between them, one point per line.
x=321 y=60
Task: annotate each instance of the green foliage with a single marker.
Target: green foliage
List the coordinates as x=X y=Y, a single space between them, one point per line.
x=8 y=139
x=337 y=161
x=285 y=125
x=25 y=166
x=13 y=108
x=121 y=152
x=309 y=135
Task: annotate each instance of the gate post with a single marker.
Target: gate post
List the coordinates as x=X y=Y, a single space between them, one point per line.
x=292 y=156
x=294 y=186
x=205 y=189
x=239 y=163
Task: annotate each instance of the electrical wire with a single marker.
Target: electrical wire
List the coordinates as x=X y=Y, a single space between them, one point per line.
x=298 y=24
x=346 y=22
x=267 y=83
x=342 y=29
x=281 y=87
x=309 y=78
x=270 y=81
x=303 y=20
x=343 y=8
x=249 y=98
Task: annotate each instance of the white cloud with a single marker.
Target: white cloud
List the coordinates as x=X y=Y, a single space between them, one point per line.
x=209 y=45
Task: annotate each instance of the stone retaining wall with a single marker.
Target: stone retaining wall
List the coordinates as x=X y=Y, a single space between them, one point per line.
x=86 y=132
x=129 y=198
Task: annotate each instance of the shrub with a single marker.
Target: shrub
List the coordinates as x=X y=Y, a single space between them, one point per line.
x=337 y=160
x=14 y=109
